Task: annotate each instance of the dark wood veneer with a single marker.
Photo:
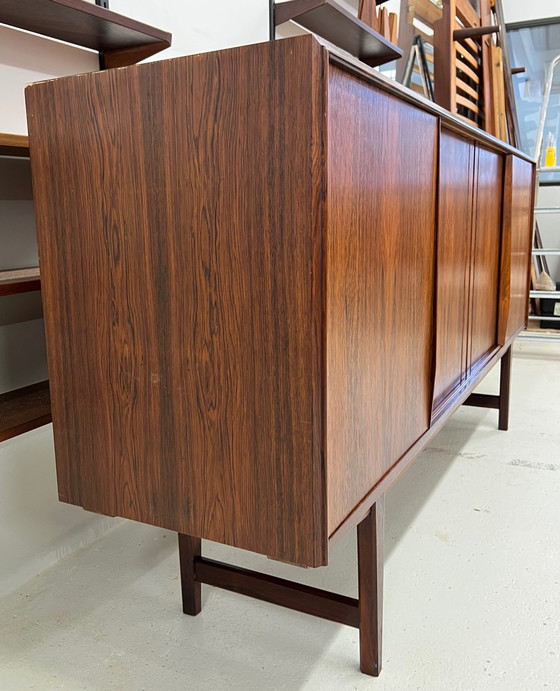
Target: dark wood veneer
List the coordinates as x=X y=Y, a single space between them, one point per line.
x=293 y=323
x=14 y=145
x=24 y=409
x=270 y=303
x=519 y=199
x=19 y=281
x=204 y=381
x=278 y=591
x=370 y=587
x=455 y=212
x=330 y=20
x=486 y=243
x=381 y=214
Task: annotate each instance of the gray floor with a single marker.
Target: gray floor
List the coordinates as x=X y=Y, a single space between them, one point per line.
x=472 y=597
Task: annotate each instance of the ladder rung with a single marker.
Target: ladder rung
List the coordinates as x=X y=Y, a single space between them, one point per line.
x=540 y=253
x=544 y=294
x=548 y=210
x=549 y=169
x=535 y=318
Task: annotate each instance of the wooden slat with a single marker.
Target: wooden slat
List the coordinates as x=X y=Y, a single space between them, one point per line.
x=467 y=103
x=461 y=65
x=417 y=88
x=393 y=27
x=367 y=13
x=466 y=55
x=86 y=24
x=426 y=11
x=467 y=89
x=466 y=13
x=383 y=18
x=418 y=32
x=473 y=46
x=490 y=124
x=466 y=119
x=24 y=409
x=19 y=281
x=498 y=92
x=511 y=109
x=416 y=70
x=14 y=145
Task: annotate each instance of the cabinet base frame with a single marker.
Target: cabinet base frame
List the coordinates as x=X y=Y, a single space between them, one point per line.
x=364 y=613
x=500 y=402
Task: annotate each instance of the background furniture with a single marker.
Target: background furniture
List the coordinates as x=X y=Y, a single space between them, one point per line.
x=467 y=58
x=270 y=302
x=331 y=21
x=120 y=41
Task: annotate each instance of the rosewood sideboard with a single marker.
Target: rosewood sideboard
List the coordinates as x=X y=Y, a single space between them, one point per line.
x=269 y=277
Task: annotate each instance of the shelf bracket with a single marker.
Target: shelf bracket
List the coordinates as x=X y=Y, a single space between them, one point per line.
x=105 y=5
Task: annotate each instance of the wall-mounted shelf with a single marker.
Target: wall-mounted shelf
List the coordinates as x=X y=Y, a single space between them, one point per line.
x=14 y=145
x=555 y=294
x=14 y=281
x=332 y=22
x=24 y=409
x=122 y=41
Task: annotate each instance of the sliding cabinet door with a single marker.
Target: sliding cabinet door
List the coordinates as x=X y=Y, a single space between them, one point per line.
x=456 y=159
x=379 y=284
x=486 y=247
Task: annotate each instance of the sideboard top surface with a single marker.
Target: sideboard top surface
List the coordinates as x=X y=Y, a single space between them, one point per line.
x=352 y=64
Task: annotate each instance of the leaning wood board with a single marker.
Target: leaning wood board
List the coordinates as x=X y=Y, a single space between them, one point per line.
x=258 y=304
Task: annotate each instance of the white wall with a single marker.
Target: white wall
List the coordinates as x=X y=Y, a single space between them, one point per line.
x=199 y=26
x=523 y=11
x=35 y=529
x=27 y=58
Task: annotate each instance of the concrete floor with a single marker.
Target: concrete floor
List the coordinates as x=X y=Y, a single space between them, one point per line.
x=472 y=597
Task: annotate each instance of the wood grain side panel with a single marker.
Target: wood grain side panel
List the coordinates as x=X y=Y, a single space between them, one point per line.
x=380 y=282
x=456 y=156
x=184 y=292
x=521 y=238
x=487 y=229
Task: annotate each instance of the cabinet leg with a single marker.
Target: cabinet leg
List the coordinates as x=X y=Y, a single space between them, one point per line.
x=370 y=587
x=189 y=550
x=505 y=379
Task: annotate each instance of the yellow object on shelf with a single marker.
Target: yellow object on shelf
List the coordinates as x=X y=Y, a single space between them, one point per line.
x=550 y=154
